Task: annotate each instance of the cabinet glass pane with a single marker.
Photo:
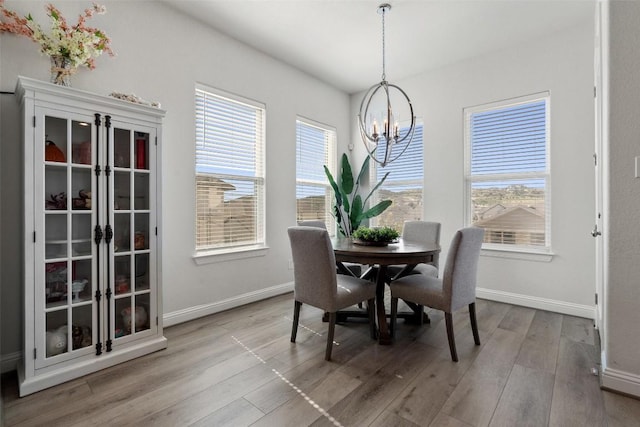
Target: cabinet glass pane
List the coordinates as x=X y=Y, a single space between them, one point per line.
x=122 y=232
x=55 y=187
x=121 y=190
x=142 y=272
x=141 y=150
x=141 y=312
x=81 y=281
x=121 y=148
x=81 y=234
x=56 y=336
x=81 y=143
x=55 y=144
x=141 y=189
x=122 y=267
x=123 y=317
x=55 y=236
x=141 y=238
x=55 y=286
x=81 y=188
x=81 y=330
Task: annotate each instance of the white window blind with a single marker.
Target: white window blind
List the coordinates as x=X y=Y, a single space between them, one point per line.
x=229 y=171
x=507 y=172
x=403 y=186
x=315 y=147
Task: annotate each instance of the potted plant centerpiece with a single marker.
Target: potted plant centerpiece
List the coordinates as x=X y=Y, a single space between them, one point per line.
x=375 y=236
x=349 y=207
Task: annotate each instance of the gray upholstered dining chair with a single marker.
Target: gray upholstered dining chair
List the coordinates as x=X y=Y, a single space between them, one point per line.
x=346 y=267
x=454 y=290
x=317 y=284
x=420 y=232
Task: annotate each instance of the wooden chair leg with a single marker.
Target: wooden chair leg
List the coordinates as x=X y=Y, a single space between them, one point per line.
x=474 y=323
x=332 y=328
x=296 y=319
x=394 y=315
x=448 y=317
x=371 y=311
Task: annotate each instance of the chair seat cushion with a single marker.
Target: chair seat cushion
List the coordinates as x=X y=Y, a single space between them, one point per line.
x=351 y=291
x=426 y=269
x=420 y=289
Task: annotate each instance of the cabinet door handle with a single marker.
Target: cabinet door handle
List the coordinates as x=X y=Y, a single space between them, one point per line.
x=595 y=232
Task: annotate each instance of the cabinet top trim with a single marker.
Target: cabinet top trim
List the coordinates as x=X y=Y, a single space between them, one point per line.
x=41 y=88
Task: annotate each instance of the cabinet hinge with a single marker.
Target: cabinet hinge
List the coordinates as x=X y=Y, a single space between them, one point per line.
x=156 y=231
x=98 y=170
x=98 y=349
x=34 y=237
x=34 y=121
x=596 y=299
x=35 y=353
x=156 y=140
x=98 y=295
x=156 y=320
x=595 y=159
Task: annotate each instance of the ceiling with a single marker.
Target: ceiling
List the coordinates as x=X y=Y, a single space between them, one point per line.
x=340 y=41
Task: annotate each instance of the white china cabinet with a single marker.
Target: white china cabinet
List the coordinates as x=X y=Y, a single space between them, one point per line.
x=92 y=291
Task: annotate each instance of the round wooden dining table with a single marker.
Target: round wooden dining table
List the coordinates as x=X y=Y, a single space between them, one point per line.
x=404 y=253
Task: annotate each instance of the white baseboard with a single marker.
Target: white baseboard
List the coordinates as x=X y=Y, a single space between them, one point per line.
x=620 y=381
x=9 y=362
x=586 y=311
x=181 y=316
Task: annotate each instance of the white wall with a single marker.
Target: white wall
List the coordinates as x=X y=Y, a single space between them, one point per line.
x=622 y=316
x=563 y=65
x=160 y=55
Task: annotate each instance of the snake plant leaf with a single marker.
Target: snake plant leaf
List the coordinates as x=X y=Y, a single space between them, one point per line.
x=376 y=187
x=364 y=170
x=355 y=216
x=377 y=209
x=335 y=187
x=346 y=175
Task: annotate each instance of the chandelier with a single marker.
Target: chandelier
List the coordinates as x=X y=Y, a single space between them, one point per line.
x=382 y=107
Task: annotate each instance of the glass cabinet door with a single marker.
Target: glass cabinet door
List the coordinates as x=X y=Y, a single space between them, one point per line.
x=65 y=256
x=132 y=184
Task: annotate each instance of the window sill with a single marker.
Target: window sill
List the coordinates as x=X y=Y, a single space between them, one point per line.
x=229 y=254
x=518 y=253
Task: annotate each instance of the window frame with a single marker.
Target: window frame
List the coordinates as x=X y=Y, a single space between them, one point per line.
x=528 y=252
x=373 y=177
x=331 y=136
x=258 y=247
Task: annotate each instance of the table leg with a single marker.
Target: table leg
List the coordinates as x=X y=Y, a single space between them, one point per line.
x=384 y=336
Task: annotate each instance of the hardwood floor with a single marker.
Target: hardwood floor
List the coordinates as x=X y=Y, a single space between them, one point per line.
x=238 y=368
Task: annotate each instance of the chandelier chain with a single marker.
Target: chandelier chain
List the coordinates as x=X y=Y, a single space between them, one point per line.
x=384 y=64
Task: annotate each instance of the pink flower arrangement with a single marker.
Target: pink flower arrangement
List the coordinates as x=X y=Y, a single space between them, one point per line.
x=78 y=43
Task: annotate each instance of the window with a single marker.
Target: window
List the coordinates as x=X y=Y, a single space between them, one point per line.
x=315 y=147
x=507 y=172
x=403 y=186
x=229 y=171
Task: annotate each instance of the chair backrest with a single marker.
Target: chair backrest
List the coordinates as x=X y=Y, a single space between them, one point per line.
x=460 y=271
x=422 y=231
x=314 y=266
x=313 y=223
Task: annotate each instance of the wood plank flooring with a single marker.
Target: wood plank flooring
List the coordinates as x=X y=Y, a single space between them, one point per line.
x=238 y=368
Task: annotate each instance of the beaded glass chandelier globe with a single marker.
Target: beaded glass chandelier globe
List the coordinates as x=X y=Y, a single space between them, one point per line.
x=386 y=119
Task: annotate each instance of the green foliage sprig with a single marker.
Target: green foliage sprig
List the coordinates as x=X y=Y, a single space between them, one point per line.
x=376 y=234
